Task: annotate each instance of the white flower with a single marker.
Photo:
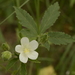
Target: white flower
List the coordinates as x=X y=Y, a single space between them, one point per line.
x=27 y=49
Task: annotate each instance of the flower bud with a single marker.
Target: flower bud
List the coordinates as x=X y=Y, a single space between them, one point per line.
x=5 y=46
x=6 y=55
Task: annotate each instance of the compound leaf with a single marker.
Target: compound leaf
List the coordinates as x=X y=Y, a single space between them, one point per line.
x=46 y=45
x=26 y=20
x=11 y=63
x=27 y=33
x=23 y=69
x=50 y=17
x=60 y=38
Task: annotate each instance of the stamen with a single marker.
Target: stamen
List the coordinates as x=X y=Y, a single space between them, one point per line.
x=26 y=50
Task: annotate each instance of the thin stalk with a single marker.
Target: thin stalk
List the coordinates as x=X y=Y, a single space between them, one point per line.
x=18 y=3
x=30 y=9
x=30 y=68
x=13 y=12
x=63 y=68
x=23 y=70
x=37 y=7
x=63 y=56
x=19 y=26
x=72 y=64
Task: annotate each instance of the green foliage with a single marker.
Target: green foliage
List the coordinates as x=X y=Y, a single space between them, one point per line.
x=60 y=38
x=72 y=66
x=64 y=67
x=15 y=72
x=50 y=16
x=5 y=46
x=46 y=45
x=27 y=33
x=72 y=2
x=63 y=57
x=26 y=20
x=31 y=31
x=6 y=55
x=23 y=69
x=48 y=20
x=11 y=63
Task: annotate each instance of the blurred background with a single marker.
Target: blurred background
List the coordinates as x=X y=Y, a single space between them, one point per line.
x=59 y=60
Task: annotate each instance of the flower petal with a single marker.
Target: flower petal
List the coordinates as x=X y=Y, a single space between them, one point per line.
x=18 y=48
x=33 y=55
x=33 y=45
x=24 y=41
x=23 y=58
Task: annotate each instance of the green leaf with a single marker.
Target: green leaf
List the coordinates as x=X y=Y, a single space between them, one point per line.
x=47 y=46
x=60 y=38
x=23 y=69
x=26 y=20
x=50 y=17
x=11 y=63
x=17 y=71
x=27 y=33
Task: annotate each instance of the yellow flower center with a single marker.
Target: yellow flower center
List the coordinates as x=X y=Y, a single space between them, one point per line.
x=26 y=50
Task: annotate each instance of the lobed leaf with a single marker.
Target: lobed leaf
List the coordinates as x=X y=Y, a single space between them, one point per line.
x=60 y=38
x=11 y=63
x=26 y=20
x=46 y=45
x=50 y=17
x=27 y=33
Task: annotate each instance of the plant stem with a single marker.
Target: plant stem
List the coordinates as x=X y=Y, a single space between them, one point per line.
x=30 y=9
x=13 y=12
x=30 y=69
x=19 y=26
x=18 y=3
x=37 y=7
x=63 y=69
x=64 y=55
x=23 y=69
